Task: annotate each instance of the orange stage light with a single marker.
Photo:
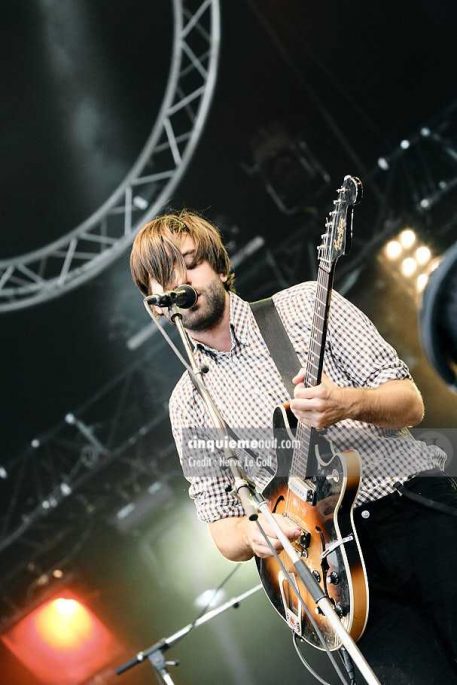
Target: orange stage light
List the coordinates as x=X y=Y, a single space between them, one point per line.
x=62 y=642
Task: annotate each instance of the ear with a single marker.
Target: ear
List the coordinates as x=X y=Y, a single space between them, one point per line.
x=223 y=278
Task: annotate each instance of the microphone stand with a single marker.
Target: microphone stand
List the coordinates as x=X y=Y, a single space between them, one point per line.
x=253 y=502
x=155 y=653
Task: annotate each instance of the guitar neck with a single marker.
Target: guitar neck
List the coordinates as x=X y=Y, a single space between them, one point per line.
x=336 y=241
x=315 y=359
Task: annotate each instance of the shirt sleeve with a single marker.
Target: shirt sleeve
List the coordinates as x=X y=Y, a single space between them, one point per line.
x=358 y=347
x=200 y=460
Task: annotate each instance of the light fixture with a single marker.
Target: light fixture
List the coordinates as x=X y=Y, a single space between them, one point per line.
x=423 y=255
x=393 y=249
x=407 y=238
x=408 y=267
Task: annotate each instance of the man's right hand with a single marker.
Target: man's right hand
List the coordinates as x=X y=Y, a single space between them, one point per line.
x=238 y=539
x=257 y=542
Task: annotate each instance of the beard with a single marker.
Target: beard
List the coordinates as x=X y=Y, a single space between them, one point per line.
x=209 y=309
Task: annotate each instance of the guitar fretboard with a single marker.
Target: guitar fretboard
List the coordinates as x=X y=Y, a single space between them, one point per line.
x=314 y=364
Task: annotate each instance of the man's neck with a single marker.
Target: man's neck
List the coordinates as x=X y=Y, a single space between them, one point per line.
x=218 y=337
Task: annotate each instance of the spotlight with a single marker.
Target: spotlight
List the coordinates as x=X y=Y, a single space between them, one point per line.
x=407 y=238
x=209 y=599
x=423 y=254
x=408 y=267
x=140 y=202
x=70 y=418
x=405 y=144
x=3 y=473
x=393 y=249
x=35 y=443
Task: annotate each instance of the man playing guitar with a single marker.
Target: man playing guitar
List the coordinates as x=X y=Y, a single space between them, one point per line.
x=365 y=399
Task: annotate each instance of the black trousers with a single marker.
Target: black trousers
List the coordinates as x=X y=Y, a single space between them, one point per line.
x=410 y=552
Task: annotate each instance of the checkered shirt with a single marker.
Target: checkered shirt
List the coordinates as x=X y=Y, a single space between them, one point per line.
x=246 y=387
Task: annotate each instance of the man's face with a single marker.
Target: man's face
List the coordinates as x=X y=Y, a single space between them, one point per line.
x=212 y=296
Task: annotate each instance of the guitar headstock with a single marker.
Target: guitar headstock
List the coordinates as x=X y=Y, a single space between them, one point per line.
x=336 y=240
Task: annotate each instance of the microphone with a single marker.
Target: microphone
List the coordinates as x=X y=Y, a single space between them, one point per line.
x=184 y=297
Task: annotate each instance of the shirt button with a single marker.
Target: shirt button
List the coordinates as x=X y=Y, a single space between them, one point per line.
x=365 y=514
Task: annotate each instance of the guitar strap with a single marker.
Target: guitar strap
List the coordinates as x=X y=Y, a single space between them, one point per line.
x=277 y=340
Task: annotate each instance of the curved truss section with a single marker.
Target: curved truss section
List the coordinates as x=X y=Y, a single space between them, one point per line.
x=84 y=252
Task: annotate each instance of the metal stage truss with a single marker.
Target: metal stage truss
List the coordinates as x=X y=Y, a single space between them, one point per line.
x=89 y=248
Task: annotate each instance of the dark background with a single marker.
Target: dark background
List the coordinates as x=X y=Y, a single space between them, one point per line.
x=82 y=84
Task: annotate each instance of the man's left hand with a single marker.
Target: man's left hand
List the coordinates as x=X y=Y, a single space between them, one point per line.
x=320 y=406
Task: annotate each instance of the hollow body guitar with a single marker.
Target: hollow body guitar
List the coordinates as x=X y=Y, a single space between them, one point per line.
x=314 y=485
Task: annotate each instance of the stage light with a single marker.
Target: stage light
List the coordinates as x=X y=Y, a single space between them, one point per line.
x=3 y=473
x=423 y=255
x=209 y=599
x=408 y=267
x=393 y=249
x=140 y=202
x=35 y=443
x=407 y=238
x=65 y=489
x=70 y=418
x=64 y=623
x=405 y=144
x=62 y=642
x=421 y=282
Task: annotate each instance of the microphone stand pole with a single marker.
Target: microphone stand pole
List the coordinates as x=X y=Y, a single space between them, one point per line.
x=241 y=484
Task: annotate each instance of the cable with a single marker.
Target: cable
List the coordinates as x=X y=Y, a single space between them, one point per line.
x=348 y=665
x=305 y=663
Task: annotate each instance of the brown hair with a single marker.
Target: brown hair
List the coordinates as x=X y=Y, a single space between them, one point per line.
x=155 y=251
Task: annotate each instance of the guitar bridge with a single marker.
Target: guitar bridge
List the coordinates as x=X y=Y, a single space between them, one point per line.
x=292 y=605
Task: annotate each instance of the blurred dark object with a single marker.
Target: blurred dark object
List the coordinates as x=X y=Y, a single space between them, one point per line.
x=438 y=318
x=291 y=174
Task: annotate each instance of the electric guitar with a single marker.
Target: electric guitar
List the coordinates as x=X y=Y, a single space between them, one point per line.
x=321 y=485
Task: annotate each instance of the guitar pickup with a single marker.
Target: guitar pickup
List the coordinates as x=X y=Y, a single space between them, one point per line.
x=305 y=490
